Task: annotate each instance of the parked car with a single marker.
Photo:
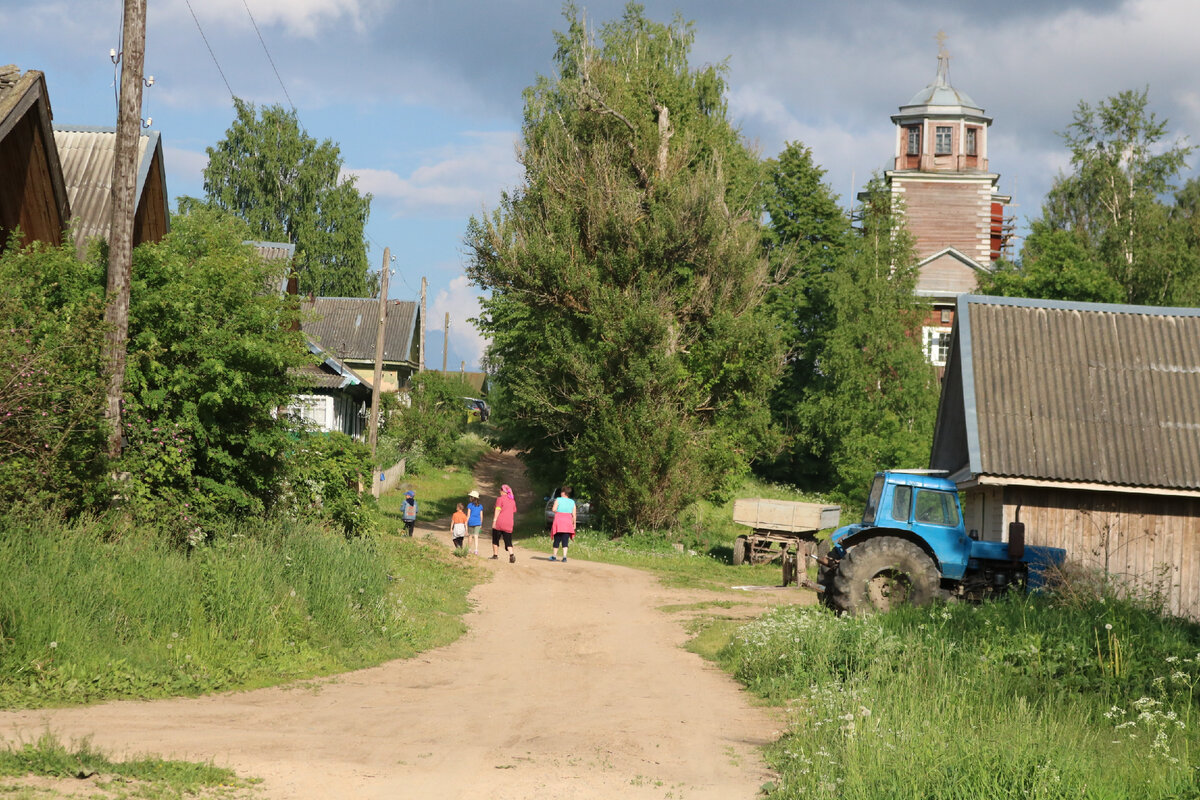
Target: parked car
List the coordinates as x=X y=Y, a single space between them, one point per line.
x=477 y=409
x=583 y=510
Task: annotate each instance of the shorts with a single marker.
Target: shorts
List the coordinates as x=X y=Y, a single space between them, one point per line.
x=496 y=534
x=562 y=540
x=473 y=530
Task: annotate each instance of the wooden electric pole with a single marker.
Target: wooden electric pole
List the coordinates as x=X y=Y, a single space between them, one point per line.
x=379 y=337
x=445 y=342
x=124 y=206
x=421 y=354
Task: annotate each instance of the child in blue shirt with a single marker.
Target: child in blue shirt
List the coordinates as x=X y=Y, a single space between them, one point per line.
x=474 y=520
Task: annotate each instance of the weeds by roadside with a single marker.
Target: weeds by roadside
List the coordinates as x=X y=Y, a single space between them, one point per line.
x=1016 y=698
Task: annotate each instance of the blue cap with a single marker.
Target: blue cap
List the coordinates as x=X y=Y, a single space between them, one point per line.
x=410 y=493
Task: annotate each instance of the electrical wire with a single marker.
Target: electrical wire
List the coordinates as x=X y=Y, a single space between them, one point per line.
x=210 y=50
x=268 y=52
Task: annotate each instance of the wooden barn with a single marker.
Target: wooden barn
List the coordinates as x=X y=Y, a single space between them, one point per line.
x=1081 y=420
x=88 y=156
x=347 y=327
x=33 y=195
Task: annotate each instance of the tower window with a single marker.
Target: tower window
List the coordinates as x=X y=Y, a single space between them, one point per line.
x=914 y=141
x=971 y=146
x=941 y=145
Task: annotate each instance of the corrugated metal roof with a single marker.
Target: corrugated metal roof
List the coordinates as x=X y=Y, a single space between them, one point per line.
x=274 y=251
x=1082 y=391
x=87 y=156
x=346 y=326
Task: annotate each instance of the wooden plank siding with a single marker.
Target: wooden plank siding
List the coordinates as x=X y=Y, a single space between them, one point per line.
x=942 y=213
x=27 y=197
x=1150 y=544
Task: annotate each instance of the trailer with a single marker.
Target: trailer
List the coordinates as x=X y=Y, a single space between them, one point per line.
x=781 y=529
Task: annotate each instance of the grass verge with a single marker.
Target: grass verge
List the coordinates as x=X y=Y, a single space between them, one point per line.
x=67 y=768
x=1013 y=699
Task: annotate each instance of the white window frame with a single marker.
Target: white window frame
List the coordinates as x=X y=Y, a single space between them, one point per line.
x=936 y=342
x=943 y=142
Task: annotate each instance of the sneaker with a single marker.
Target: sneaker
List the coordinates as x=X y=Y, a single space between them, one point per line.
x=494 y=558
x=564 y=559
x=512 y=558
x=552 y=558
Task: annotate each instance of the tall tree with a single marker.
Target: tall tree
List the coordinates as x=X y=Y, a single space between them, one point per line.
x=870 y=398
x=289 y=187
x=626 y=274
x=1111 y=202
x=808 y=237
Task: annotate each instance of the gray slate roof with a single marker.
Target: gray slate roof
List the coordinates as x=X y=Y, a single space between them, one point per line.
x=346 y=327
x=1072 y=392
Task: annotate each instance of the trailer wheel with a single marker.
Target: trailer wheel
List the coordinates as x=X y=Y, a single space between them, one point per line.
x=882 y=574
x=741 y=548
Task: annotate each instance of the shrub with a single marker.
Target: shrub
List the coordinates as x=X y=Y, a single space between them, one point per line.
x=326 y=473
x=427 y=429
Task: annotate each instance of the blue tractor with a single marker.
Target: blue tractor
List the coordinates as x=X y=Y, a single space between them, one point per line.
x=912 y=547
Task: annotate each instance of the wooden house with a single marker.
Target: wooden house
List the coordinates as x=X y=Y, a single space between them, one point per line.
x=33 y=194
x=335 y=397
x=347 y=328
x=1081 y=420
x=88 y=156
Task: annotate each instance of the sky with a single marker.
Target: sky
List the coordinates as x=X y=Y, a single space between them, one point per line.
x=424 y=96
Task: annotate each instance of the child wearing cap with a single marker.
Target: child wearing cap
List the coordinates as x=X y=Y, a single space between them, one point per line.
x=409 y=512
x=474 y=520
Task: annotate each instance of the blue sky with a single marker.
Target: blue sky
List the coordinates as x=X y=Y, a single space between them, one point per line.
x=424 y=97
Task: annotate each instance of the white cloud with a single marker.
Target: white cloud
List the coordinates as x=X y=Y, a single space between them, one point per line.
x=461 y=301
x=456 y=180
x=302 y=18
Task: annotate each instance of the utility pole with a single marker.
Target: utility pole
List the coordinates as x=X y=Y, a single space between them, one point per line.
x=373 y=437
x=124 y=206
x=445 y=342
x=421 y=354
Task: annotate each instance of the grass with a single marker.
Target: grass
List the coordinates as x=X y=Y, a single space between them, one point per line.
x=86 y=615
x=437 y=489
x=1013 y=699
x=144 y=778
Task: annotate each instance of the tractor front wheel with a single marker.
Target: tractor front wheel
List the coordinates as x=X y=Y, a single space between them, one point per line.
x=882 y=574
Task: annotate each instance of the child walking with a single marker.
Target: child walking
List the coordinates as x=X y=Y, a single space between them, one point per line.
x=458 y=527
x=474 y=519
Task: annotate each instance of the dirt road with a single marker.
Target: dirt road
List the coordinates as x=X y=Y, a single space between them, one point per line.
x=570 y=684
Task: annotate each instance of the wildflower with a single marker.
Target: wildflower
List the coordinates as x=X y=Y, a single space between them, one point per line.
x=1108 y=626
x=174 y=634
x=53 y=645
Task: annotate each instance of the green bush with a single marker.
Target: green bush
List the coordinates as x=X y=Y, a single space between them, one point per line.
x=325 y=473
x=426 y=431
x=51 y=396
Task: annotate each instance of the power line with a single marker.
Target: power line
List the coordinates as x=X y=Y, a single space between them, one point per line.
x=268 y=52
x=210 y=50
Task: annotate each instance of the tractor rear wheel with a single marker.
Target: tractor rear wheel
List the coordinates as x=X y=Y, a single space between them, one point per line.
x=741 y=547
x=882 y=574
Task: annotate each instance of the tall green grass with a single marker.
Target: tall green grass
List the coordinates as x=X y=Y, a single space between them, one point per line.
x=89 y=611
x=1014 y=699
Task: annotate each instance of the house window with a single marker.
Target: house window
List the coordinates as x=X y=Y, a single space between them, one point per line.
x=937 y=345
x=941 y=144
x=914 y=141
x=971 y=146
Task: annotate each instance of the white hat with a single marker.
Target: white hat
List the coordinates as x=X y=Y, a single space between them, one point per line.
x=473 y=493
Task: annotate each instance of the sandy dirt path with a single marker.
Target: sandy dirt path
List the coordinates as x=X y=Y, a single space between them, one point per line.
x=571 y=683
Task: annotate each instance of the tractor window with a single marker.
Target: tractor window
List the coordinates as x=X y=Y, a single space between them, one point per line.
x=937 y=508
x=873 y=500
x=901 y=503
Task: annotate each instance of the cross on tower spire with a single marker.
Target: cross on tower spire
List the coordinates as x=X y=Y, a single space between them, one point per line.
x=943 y=68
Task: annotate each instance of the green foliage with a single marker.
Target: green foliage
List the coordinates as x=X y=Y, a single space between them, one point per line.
x=1112 y=203
x=426 y=431
x=859 y=395
x=1055 y=265
x=95 y=609
x=625 y=277
x=290 y=188
x=210 y=349
x=1017 y=698
x=51 y=393
x=325 y=471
